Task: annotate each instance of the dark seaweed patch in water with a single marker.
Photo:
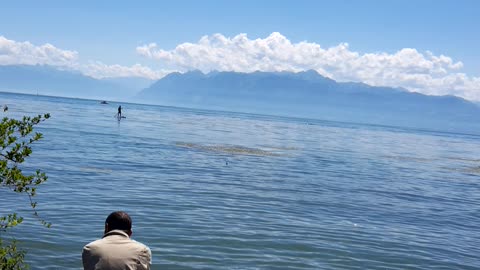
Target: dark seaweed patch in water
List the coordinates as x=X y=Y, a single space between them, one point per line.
x=464 y=169
x=464 y=159
x=94 y=170
x=471 y=166
x=468 y=170
x=281 y=148
x=474 y=170
x=228 y=149
x=407 y=158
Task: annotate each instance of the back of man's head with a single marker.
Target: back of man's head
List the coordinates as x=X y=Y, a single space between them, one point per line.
x=119 y=220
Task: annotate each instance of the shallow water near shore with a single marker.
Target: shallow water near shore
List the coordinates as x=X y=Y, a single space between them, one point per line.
x=221 y=190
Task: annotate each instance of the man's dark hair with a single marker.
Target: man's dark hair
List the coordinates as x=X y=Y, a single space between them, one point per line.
x=119 y=221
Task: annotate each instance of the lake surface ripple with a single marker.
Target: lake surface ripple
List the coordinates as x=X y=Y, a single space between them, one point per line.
x=219 y=190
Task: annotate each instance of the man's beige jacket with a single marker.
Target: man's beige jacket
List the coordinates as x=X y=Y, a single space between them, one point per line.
x=116 y=251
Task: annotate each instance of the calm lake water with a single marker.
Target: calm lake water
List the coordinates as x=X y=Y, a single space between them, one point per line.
x=218 y=190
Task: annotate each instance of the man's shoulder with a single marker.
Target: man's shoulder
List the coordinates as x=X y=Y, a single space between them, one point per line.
x=93 y=244
x=139 y=244
x=106 y=241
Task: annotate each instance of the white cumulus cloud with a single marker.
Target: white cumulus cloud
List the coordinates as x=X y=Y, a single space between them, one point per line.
x=422 y=72
x=25 y=53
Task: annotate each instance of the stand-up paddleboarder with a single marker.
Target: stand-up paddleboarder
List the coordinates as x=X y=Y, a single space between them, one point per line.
x=119 y=114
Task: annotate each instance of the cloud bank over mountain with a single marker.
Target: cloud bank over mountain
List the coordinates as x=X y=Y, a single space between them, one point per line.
x=25 y=53
x=421 y=72
x=100 y=70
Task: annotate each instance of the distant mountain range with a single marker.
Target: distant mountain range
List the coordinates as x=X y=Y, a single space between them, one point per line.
x=303 y=94
x=308 y=94
x=48 y=80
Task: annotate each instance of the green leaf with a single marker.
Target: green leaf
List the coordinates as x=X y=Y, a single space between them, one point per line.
x=15 y=140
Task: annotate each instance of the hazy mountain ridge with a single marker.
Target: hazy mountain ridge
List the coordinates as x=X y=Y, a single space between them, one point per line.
x=308 y=94
x=303 y=94
x=48 y=80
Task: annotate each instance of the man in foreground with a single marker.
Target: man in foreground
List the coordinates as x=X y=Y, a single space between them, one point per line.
x=116 y=250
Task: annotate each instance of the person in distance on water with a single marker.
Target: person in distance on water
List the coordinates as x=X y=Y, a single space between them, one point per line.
x=119 y=114
x=116 y=250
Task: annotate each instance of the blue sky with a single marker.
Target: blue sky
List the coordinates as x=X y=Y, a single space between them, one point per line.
x=111 y=33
